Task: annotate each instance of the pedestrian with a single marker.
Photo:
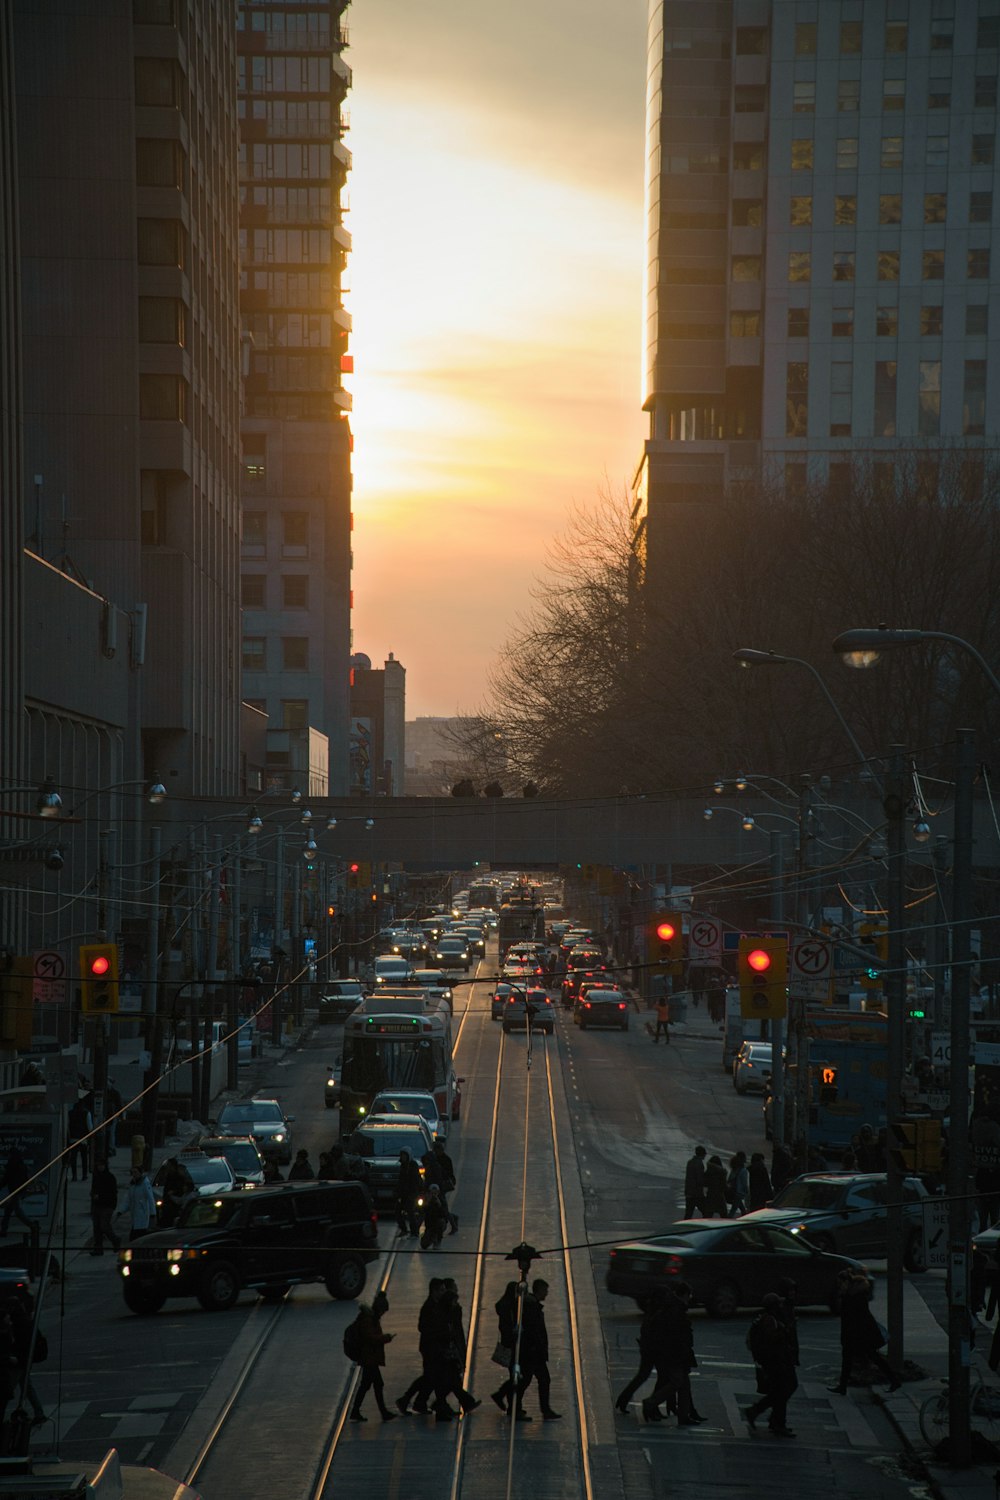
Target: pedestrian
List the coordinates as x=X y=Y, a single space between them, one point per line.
x=141 y=1204
x=759 y=1182
x=673 y=1355
x=79 y=1124
x=788 y=1291
x=782 y=1167
x=177 y=1187
x=371 y=1356
x=535 y=1354
x=870 y=1153
x=22 y=1324
x=506 y=1308
x=861 y=1337
x=450 y=1361
x=103 y=1206
x=715 y=998
x=662 y=1020
x=651 y=1317
x=446 y=1168
x=336 y=1169
x=715 y=1189
x=408 y=1187
x=738 y=1185
x=770 y=1343
x=435 y=1219
x=429 y=1323
x=15 y=1175
x=694 y=1184
x=301 y=1168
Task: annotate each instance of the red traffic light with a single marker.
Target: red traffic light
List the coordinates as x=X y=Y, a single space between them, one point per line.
x=759 y=960
x=666 y=932
x=354 y=867
x=99 y=966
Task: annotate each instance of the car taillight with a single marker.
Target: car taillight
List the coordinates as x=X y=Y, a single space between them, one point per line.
x=586 y=1005
x=671 y=1266
x=621 y=1005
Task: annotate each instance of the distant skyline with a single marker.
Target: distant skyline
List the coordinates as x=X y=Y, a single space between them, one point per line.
x=495 y=286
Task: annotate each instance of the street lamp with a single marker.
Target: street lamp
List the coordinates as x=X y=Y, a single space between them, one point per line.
x=863 y=647
x=746 y=656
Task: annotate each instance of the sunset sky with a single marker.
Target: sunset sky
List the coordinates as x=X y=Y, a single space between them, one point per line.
x=495 y=284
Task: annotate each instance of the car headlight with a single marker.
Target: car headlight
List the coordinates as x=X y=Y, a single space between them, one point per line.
x=279 y=1135
x=331 y=1083
x=126 y=1257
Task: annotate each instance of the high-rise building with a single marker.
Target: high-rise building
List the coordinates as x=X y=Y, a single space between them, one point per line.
x=821 y=195
x=296 y=474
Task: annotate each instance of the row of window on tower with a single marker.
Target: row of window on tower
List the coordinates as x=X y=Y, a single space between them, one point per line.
x=882 y=410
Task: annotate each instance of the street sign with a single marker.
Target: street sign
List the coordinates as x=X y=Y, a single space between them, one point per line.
x=810 y=968
x=986 y=1054
x=731 y=940
x=935 y=1233
x=48 y=979
x=941 y=1049
x=704 y=939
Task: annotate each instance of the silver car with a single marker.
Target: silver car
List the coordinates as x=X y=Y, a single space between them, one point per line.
x=265 y=1120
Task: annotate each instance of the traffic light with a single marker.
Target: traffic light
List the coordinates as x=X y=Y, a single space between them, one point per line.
x=331 y=910
x=827 y=1084
x=763 y=971
x=666 y=941
x=916 y=1145
x=99 y=978
x=359 y=875
x=874 y=935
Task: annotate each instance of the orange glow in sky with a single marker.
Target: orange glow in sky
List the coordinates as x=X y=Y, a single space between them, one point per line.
x=495 y=288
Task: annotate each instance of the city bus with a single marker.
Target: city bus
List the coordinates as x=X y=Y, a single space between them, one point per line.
x=397 y=1039
x=484 y=894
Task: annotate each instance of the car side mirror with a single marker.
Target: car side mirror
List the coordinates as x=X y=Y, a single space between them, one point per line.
x=290 y=1119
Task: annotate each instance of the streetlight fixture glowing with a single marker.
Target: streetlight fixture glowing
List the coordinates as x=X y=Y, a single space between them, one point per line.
x=49 y=804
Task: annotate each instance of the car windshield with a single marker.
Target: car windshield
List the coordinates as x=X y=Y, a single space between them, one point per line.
x=402 y=1104
x=387 y=1143
x=241 y=1155
x=208 y=1213
x=814 y=1195
x=238 y=1114
x=451 y=945
x=207 y=1170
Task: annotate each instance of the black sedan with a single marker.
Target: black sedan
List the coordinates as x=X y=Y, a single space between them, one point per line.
x=728 y=1265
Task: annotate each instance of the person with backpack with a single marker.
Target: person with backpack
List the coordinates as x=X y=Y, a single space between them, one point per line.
x=364 y=1344
x=770 y=1343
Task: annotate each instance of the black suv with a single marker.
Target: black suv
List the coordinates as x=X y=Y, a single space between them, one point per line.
x=265 y=1240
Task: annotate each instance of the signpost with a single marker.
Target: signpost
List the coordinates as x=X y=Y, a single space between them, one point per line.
x=704 y=940
x=810 y=969
x=936 y=1234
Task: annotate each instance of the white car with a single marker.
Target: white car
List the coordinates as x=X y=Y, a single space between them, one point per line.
x=752 y=1067
x=411 y=1102
x=391 y=971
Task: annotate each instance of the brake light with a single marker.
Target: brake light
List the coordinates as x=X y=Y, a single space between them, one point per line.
x=621 y=1005
x=672 y=1265
x=586 y=1005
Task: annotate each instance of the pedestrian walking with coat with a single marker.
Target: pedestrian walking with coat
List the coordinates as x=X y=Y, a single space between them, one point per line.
x=861 y=1338
x=673 y=1355
x=662 y=1020
x=715 y=1189
x=694 y=1184
x=648 y=1329
x=372 y=1342
x=771 y=1344
x=435 y=1219
x=408 y=1187
x=79 y=1124
x=141 y=1204
x=535 y=1354
x=450 y=1361
x=301 y=1169
x=103 y=1206
x=738 y=1185
x=782 y=1167
x=15 y=1175
x=759 y=1182
x=506 y=1308
x=446 y=1169
x=430 y=1330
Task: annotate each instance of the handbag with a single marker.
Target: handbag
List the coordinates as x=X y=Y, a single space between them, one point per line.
x=502 y=1355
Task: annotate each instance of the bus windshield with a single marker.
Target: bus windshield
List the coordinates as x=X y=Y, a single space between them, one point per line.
x=372 y=1063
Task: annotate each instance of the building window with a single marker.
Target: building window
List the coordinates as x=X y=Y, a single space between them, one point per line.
x=161 y=242
x=295 y=653
x=982 y=151
x=978 y=265
x=162 y=398
x=749 y=98
x=797 y=399
x=805 y=39
x=254 y=454
x=157 y=82
x=845 y=208
x=895 y=36
x=748 y=213
x=804 y=98
x=942 y=34
x=159 y=164
x=254 y=653
x=162 y=320
x=929 y=408
x=842 y=324
x=985 y=95
x=841 y=380
x=847 y=153
x=932 y=265
x=295 y=590
x=294 y=533
x=751 y=41
x=802 y=155
x=974 y=405
x=936 y=151
x=850 y=37
x=255 y=532
x=744 y=325
x=746 y=268
x=976 y=319
x=843 y=265
x=798 y=322
x=295 y=713
x=890 y=208
x=848 y=95
x=935 y=208
x=892 y=151
x=980 y=208
x=153 y=492
x=748 y=156
x=799 y=265
x=886 y=322
x=892 y=93
x=801 y=210
x=885 y=398
x=253 y=590
x=939 y=94
x=931 y=320
x=888 y=265
x=988 y=33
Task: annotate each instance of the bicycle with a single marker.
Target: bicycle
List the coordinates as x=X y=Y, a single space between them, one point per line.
x=984 y=1413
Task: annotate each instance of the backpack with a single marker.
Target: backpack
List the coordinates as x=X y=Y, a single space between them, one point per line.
x=352 y=1341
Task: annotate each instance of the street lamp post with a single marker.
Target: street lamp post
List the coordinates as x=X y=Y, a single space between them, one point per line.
x=863 y=647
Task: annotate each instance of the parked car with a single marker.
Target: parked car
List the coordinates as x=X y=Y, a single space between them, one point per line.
x=752 y=1067
x=728 y=1263
x=265 y=1241
x=339 y=998
x=847 y=1212
x=372 y=1151
x=515 y=1011
x=600 y=1007
x=411 y=1102
x=265 y=1120
x=241 y=1152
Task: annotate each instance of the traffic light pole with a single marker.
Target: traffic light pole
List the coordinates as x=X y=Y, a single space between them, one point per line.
x=959 y=1253
x=895 y=995
x=778 y=1024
